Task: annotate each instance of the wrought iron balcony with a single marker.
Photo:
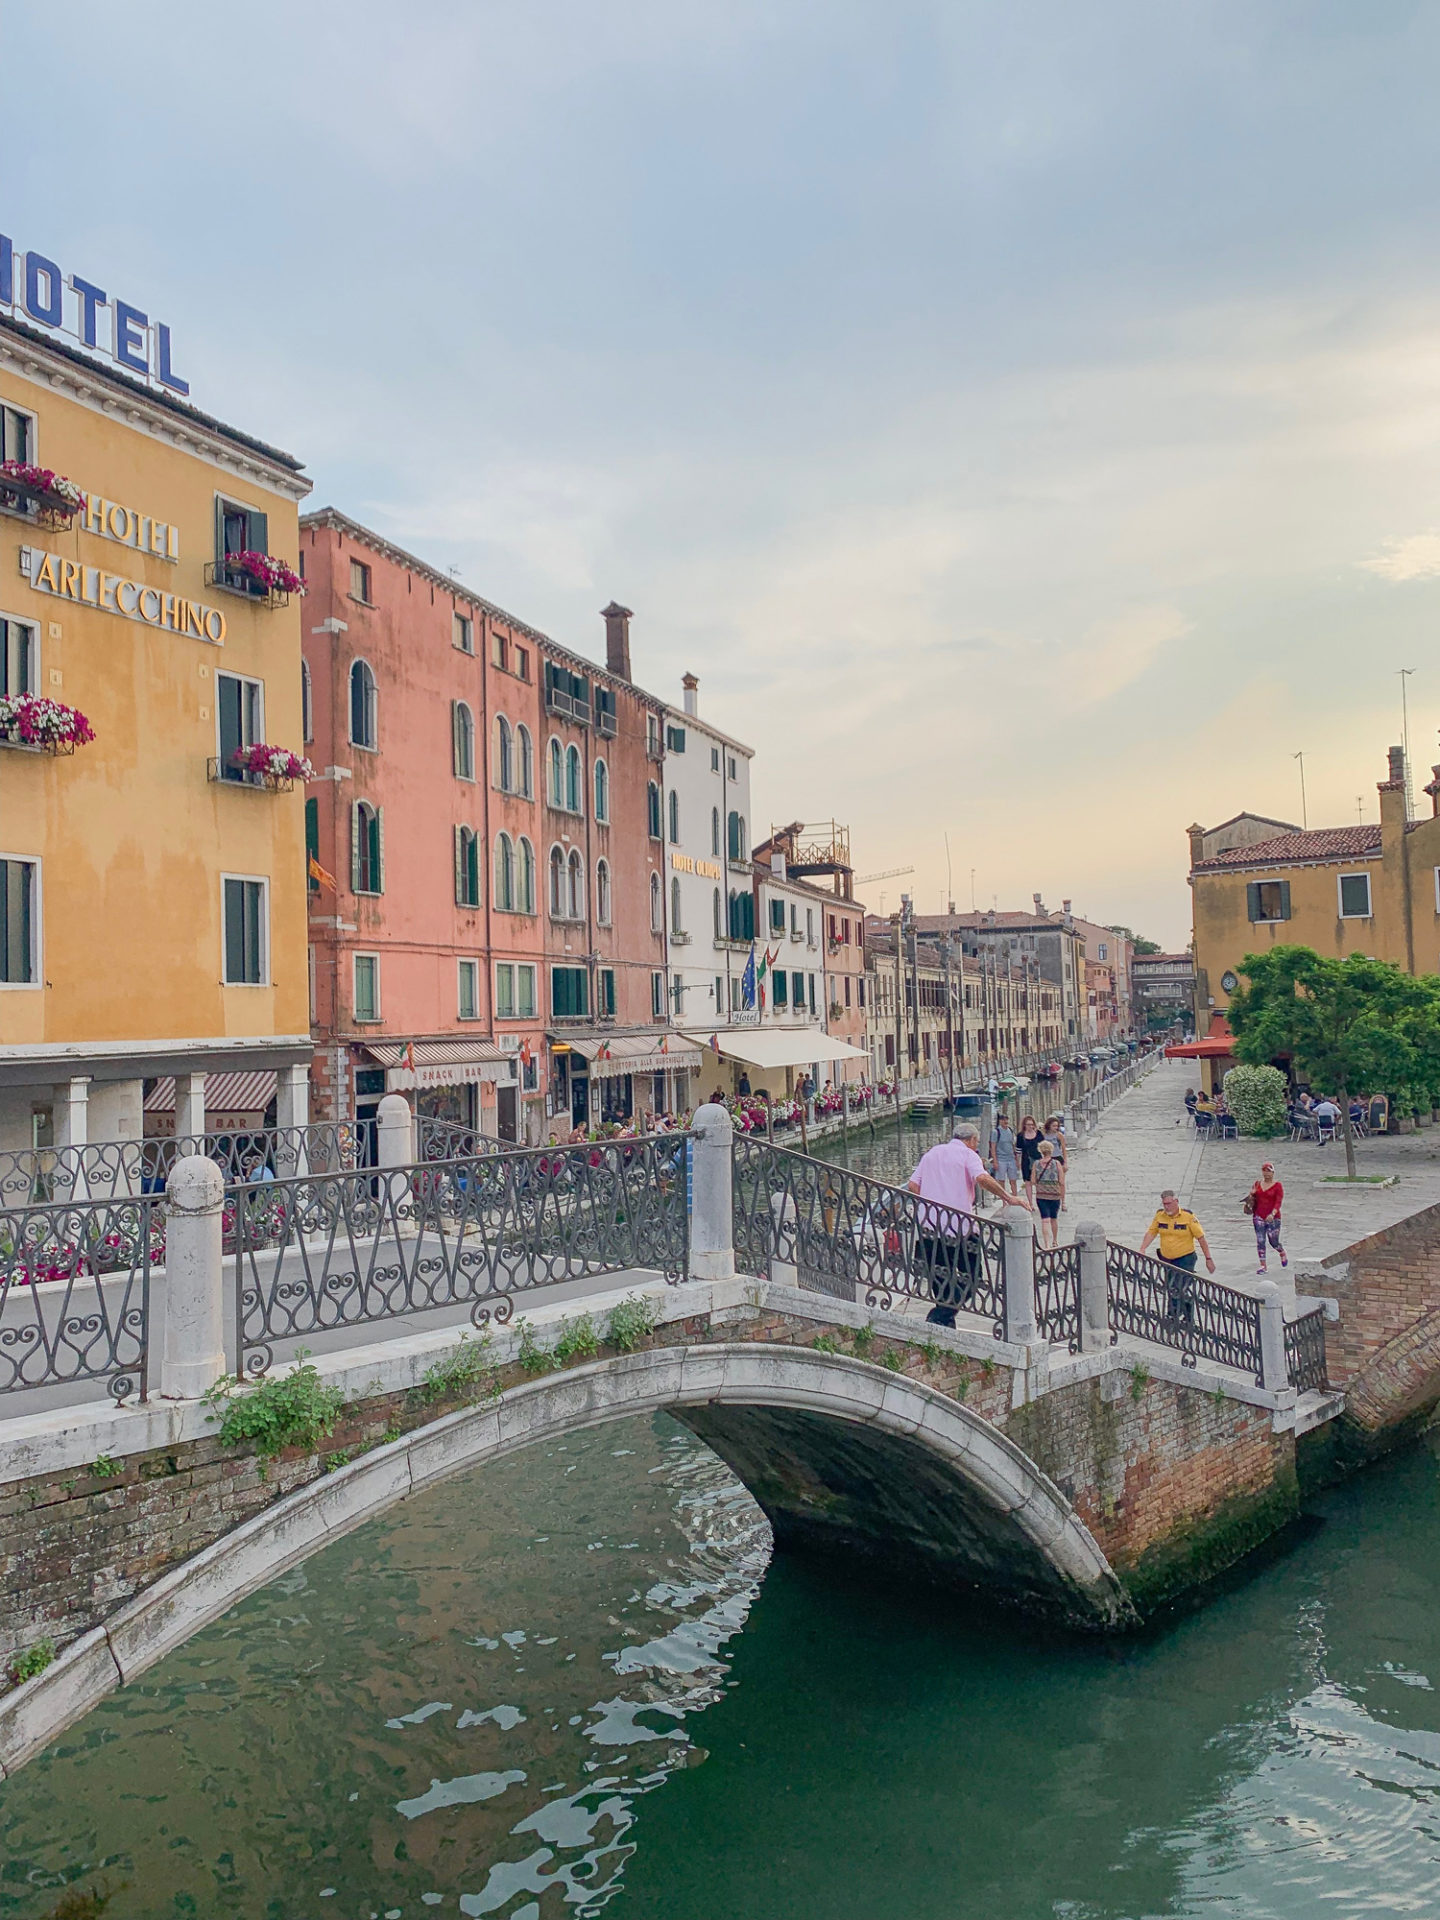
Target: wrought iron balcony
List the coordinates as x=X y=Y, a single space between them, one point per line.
x=225 y=775
x=237 y=580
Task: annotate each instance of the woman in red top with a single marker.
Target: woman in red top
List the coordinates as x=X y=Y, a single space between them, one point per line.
x=1266 y=1197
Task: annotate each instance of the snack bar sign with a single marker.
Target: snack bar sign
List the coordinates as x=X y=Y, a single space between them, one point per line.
x=33 y=286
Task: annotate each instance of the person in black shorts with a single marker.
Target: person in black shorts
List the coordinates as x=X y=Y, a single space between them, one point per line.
x=1049 y=1183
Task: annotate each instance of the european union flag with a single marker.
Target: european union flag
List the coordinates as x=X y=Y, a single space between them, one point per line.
x=747 y=980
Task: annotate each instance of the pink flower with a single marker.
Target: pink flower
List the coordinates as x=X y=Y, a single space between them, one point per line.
x=273 y=574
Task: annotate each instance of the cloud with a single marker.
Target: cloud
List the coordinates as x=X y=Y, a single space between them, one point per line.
x=1416 y=557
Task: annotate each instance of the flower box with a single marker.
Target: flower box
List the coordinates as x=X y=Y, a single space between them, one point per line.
x=39 y=494
x=44 y=726
x=256 y=575
x=273 y=769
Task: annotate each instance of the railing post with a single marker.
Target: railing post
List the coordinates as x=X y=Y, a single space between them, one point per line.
x=194 y=1353
x=394 y=1132
x=1094 y=1288
x=1019 y=1229
x=292 y=1116
x=712 y=1194
x=1274 y=1370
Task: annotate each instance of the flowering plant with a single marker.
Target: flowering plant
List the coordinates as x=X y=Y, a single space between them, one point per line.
x=61 y=495
x=886 y=1089
x=273 y=575
x=275 y=763
x=43 y=723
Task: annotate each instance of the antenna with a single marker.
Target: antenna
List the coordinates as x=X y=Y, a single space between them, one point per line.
x=1304 y=816
x=1360 y=807
x=972 y=890
x=1405 y=673
x=949 y=878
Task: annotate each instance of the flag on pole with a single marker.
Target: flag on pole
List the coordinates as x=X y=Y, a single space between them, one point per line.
x=747 y=980
x=320 y=876
x=715 y=1043
x=410 y=1055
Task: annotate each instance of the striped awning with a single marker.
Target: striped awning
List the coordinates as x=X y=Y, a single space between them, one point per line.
x=611 y=1055
x=249 y=1093
x=440 y=1063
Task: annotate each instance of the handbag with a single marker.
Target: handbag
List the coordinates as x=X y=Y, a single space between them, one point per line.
x=1248 y=1203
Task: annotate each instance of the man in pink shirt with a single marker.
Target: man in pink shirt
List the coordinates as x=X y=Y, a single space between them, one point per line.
x=947 y=1247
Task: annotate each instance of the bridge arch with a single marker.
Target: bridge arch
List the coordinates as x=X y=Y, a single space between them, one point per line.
x=839 y=1453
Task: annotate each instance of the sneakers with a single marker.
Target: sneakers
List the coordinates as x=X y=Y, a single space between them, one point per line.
x=1284 y=1259
x=1260 y=1268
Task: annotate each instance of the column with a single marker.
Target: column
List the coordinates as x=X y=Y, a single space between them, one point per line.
x=70 y=1107
x=292 y=1112
x=1094 y=1288
x=1274 y=1369
x=189 y=1106
x=194 y=1353
x=1019 y=1229
x=395 y=1132
x=712 y=1195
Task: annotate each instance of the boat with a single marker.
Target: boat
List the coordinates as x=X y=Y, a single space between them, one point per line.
x=1079 y=1064
x=1012 y=1083
x=1052 y=1071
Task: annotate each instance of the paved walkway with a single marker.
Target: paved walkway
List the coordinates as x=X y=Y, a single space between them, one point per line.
x=1145 y=1142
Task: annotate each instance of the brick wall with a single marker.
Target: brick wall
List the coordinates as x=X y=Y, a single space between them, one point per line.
x=1385 y=1284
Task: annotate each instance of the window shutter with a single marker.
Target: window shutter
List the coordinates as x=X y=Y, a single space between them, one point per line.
x=379 y=849
x=459 y=850
x=1284 y=899
x=258 y=529
x=354 y=846
x=1252 y=899
x=219 y=529
x=455 y=736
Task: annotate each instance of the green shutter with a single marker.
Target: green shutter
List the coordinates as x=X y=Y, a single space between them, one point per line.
x=258 y=531
x=1284 y=899
x=457 y=848
x=355 y=846
x=312 y=842
x=1252 y=899
x=219 y=529
x=378 y=856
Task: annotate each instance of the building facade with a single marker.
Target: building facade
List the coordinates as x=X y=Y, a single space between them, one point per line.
x=1164 y=989
x=1054 y=945
x=1108 y=953
x=152 y=893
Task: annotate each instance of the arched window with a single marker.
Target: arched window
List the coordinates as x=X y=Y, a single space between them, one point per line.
x=467 y=867
x=364 y=728
x=676 y=925
x=715 y=831
x=504 y=894
x=737 y=837
x=504 y=755
x=367 y=849
x=652 y=811
x=527 y=764
x=557 y=884
x=719 y=923
x=657 y=905
x=575 y=885
x=462 y=740
x=307 y=704
x=525 y=879
x=556 y=757
x=602 y=892
x=572 y=780
x=602 y=791
x=674 y=818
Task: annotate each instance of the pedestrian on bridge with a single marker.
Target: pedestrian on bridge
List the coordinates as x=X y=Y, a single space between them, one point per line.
x=1263 y=1204
x=947 y=1240
x=1179 y=1234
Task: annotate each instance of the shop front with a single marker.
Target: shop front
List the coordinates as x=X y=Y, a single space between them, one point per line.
x=473 y=1084
x=608 y=1079
x=771 y=1062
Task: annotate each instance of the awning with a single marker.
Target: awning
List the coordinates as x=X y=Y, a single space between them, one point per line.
x=224 y=1093
x=1218 y=1044
x=440 y=1063
x=610 y=1055
x=775 y=1047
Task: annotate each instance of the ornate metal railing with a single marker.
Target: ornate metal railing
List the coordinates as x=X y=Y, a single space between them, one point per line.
x=119 y=1169
x=1057 y=1294
x=448 y=1140
x=349 y=1249
x=75 y=1294
x=1305 y=1352
x=847 y=1235
x=1175 y=1308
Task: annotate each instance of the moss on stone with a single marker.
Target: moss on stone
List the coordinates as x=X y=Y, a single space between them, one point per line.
x=1199 y=1550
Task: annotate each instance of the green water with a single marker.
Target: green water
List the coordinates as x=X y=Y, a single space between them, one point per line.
x=573 y=1684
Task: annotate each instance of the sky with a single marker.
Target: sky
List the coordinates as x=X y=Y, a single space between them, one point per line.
x=1023 y=418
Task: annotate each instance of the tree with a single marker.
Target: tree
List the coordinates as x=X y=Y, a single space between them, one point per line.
x=1344 y=1023
x=1139 y=944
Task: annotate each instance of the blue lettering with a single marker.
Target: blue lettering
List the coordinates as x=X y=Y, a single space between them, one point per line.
x=131 y=346
x=7 y=271
x=91 y=300
x=168 y=378
x=48 y=311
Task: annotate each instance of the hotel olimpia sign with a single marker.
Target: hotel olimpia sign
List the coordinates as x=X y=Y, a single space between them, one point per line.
x=33 y=287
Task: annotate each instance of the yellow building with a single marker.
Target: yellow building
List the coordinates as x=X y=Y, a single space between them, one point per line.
x=1371 y=889
x=152 y=891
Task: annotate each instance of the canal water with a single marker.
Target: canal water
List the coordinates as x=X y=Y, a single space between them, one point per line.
x=575 y=1684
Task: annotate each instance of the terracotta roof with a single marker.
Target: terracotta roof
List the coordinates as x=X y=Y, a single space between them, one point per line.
x=1321 y=843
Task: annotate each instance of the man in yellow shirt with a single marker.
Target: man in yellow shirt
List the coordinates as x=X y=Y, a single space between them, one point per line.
x=1179 y=1234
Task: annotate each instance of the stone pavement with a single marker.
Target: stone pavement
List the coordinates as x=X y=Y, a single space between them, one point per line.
x=1118 y=1170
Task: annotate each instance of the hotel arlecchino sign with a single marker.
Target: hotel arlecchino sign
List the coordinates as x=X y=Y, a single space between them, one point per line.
x=33 y=287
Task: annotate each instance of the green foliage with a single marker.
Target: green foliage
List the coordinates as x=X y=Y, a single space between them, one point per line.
x=532 y=1356
x=334 y=1462
x=578 y=1338
x=1139 y=1380
x=863 y=1339
x=103 y=1467
x=468 y=1368
x=33 y=1660
x=634 y=1320
x=295 y=1409
x=1258 y=1098
x=930 y=1348
x=891 y=1361
x=825 y=1343
x=987 y=1367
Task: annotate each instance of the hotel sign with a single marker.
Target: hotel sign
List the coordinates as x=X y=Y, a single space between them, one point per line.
x=67 y=579
x=33 y=287
x=683 y=863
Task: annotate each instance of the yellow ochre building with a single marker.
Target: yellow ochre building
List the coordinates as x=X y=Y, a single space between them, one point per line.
x=152 y=885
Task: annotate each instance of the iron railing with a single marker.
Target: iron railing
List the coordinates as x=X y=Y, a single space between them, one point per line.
x=1057 y=1294
x=448 y=1140
x=1176 y=1308
x=119 y=1169
x=1305 y=1352
x=75 y=1294
x=844 y=1234
x=350 y=1249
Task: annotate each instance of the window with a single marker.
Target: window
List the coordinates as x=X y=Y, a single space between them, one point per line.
x=467 y=867
x=733 y=774
x=504 y=888
x=602 y=892
x=605 y=711
x=557 y=883
x=794 y=918
x=1104 y=950
x=364 y=728
x=602 y=791
x=657 y=996
x=719 y=993
x=367 y=848
x=462 y=633
x=1268 y=900
x=573 y=802
x=312 y=843
x=657 y=905
x=674 y=818
x=777 y=915
x=520 y=662
x=527 y=764
x=605 y=991
x=810 y=925
x=19 y=658
x=814 y=1003
x=781 y=981
x=742 y=916
x=797 y=991
x=240 y=529
x=307 y=704
x=19 y=921
x=1354 y=896
x=556 y=778
x=714 y=759
x=360 y=582
x=675 y=739
x=239 y=720
x=847 y=989
x=246 y=959
x=652 y=811
x=575 y=886
x=676 y=924
x=462 y=740
x=367 y=986
x=17 y=435
x=718 y=912
x=569 y=993
x=652 y=736
x=715 y=831
x=467 y=1006
x=514 y=990
x=736 y=837
x=504 y=755
x=500 y=650
x=525 y=879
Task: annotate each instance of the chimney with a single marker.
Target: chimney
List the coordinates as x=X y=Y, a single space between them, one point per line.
x=1065 y=908
x=617 y=638
x=1397 y=764
x=1393 y=808
x=777 y=865
x=1039 y=905
x=692 y=687
x=1197 y=844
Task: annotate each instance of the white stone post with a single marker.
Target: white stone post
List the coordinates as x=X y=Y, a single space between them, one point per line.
x=292 y=1110
x=712 y=1194
x=394 y=1132
x=194 y=1355
x=71 y=1109
x=189 y=1106
x=1094 y=1288
x=1274 y=1370
x=1019 y=1230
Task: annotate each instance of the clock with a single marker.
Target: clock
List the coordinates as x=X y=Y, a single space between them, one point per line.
x=1229 y=982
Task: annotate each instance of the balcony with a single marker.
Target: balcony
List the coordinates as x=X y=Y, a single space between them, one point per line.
x=567 y=706
x=223 y=775
x=236 y=580
x=654 y=748
x=30 y=498
x=679 y=938
x=606 y=724
x=796 y=934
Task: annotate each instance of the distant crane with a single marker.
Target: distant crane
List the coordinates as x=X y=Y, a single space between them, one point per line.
x=888 y=873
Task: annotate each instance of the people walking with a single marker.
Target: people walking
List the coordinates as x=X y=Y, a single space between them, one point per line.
x=1027 y=1146
x=1263 y=1204
x=1003 y=1163
x=947 y=1245
x=1179 y=1234
x=1049 y=1192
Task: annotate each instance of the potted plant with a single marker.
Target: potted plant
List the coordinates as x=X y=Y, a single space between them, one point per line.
x=274 y=767
x=272 y=576
x=27 y=720
x=53 y=496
